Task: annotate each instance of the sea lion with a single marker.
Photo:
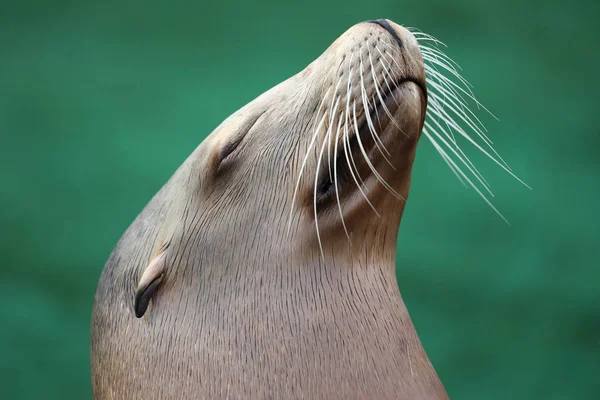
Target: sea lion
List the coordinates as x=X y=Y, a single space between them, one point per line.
x=265 y=266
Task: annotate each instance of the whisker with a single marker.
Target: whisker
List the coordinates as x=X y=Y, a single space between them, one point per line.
x=451 y=148
x=366 y=157
x=465 y=177
x=346 y=141
x=474 y=143
x=310 y=146
x=447 y=110
x=449 y=117
x=335 y=181
x=366 y=108
x=420 y=35
x=446 y=158
x=329 y=130
x=331 y=118
x=442 y=78
x=315 y=189
x=387 y=71
x=375 y=81
x=452 y=72
x=451 y=136
x=451 y=93
x=435 y=51
x=460 y=111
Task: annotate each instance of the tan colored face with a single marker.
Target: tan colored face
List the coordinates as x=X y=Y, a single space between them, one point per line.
x=337 y=138
x=308 y=166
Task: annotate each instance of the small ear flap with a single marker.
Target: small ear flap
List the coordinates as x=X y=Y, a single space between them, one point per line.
x=149 y=283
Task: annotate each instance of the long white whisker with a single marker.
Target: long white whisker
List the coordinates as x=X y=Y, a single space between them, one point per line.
x=310 y=146
x=446 y=158
x=331 y=118
x=448 y=112
x=438 y=148
x=459 y=111
x=474 y=172
x=435 y=51
x=335 y=180
x=441 y=59
x=375 y=80
x=465 y=118
x=434 y=82
x=453 y=72
x=434 y=73
x=366 y=157
x=437 y=111
x=391 y=57
x=375 y=84
x=481 y=134
x=346 y=141
x=425 y=39
x=350 y=158
x=387 y=71
x=450 y=135
x=316 y=185
x=474 y=143
x=459 y=100
x=370 y=125
x=468 y=161
x=420 y=35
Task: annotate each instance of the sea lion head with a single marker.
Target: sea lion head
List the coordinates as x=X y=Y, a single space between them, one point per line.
x=268 y=258
x=315 y=169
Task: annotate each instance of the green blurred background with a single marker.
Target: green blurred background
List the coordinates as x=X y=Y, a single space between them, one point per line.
x=99 y=104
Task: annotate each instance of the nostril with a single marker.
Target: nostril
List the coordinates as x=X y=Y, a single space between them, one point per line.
x=385 y=25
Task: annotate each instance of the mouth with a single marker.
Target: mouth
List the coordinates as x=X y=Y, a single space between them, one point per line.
x=366 y=136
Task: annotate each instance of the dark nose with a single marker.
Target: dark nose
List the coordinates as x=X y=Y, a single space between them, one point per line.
x=385 y=25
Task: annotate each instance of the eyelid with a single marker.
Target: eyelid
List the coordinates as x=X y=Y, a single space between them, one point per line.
x=229 y=147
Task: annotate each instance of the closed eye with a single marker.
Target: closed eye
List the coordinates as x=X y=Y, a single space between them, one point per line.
x=228 y=149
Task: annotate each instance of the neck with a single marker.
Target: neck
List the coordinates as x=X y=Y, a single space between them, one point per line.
x=360 y=312
x=346 y=322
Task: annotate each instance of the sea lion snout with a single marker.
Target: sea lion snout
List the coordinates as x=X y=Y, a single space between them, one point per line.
x=385 y=25
x=366 y=124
